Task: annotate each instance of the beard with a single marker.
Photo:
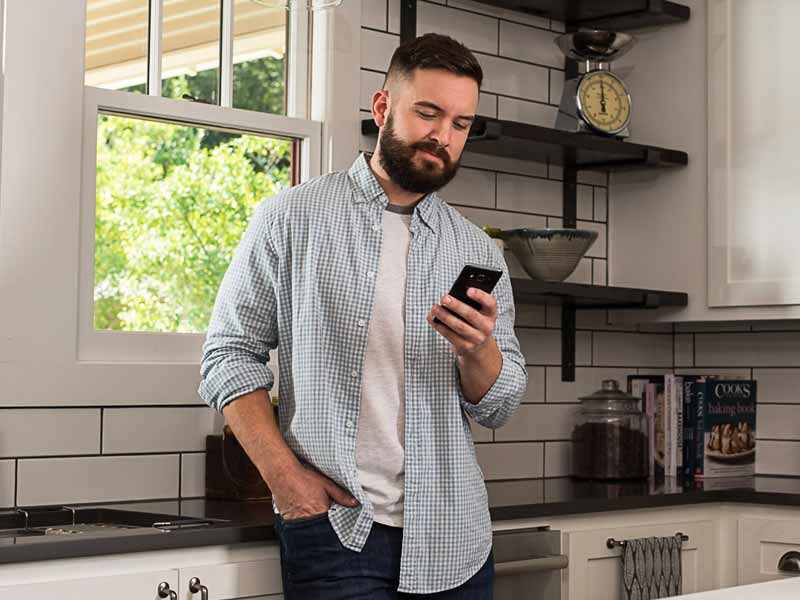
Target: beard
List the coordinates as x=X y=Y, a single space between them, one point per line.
x=397 y=159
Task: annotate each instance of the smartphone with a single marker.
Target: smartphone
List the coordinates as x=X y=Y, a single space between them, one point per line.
x=477 y=276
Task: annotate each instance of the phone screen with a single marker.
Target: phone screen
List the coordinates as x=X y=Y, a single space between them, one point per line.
x=477 y=276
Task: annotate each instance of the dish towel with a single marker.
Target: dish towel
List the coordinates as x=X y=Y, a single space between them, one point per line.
x=651 y=568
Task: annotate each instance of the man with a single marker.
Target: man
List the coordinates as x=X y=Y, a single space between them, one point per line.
x=372 y=467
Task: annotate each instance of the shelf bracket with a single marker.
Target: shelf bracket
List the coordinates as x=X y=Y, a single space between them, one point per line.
x=568 y=342
x=408 y=20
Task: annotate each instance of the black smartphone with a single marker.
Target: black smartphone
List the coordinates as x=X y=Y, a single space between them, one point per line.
x=477 y=276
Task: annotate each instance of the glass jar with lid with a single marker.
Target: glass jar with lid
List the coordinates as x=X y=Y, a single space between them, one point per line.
x=610 y=439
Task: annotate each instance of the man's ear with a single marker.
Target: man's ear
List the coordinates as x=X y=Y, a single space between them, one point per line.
x=380 y=106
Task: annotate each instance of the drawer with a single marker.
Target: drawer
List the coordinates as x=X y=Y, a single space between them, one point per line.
x=231 y=581
x=762 y=543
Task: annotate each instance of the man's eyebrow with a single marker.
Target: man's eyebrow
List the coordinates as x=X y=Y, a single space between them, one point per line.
x=427 y=104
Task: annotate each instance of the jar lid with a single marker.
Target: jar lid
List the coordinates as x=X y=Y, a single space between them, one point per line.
x=609 y=390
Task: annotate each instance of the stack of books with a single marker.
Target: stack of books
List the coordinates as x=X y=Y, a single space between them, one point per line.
x=701 y=426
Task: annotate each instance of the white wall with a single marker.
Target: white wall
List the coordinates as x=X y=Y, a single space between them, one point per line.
x=101 y=450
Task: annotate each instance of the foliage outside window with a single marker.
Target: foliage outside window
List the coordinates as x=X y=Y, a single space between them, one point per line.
x=172 y=204
x=173 y=200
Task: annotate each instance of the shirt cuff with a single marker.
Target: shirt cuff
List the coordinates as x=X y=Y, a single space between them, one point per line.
x=496 y=398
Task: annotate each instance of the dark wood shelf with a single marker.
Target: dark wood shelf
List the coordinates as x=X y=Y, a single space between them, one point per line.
x=584 y=296
x=616 y=15
x=511 y=139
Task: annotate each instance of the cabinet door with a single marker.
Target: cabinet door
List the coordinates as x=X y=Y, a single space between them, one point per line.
x=595 y=571
x=139 y=586
x=762 y=543
x=232 y=581
x=752 y=137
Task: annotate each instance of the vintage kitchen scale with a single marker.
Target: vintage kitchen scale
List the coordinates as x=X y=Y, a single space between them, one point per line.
x=596 y=101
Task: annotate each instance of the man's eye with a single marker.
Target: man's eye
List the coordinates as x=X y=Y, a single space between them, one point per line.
x=426 y=115
x=461 y=126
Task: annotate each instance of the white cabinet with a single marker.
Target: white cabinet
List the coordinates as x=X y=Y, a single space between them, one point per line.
x=661 y=222
x=762 y=543
x=752 y=137
x=138 y=586
x=232 y=581
x=235 y=572
x=595 y=571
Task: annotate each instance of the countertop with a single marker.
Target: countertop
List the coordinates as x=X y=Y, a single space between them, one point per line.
x=783 y=589
x=518 y=499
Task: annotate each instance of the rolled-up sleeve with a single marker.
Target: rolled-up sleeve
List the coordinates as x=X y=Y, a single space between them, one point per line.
x=503 y=398
x=243 y=326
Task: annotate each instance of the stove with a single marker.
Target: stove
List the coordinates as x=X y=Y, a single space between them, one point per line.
x=31 y=525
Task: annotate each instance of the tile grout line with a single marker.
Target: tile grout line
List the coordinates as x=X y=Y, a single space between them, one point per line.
x=180 y=475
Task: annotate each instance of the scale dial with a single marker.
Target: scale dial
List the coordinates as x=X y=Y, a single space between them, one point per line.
x=603 y=102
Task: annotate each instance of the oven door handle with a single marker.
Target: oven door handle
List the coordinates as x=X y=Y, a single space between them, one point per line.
x=532 y=565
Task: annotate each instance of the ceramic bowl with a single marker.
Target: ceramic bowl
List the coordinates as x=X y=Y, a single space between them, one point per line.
x=549 y=254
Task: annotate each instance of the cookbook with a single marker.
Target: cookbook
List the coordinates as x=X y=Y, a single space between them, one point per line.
x=724 y=427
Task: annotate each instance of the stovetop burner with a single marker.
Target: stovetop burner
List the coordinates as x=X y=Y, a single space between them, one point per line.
x=39 y=523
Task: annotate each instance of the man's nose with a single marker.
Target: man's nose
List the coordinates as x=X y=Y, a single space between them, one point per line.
x=441 y=135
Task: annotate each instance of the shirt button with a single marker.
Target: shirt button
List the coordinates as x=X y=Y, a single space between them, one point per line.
x=371 y=274
x=354 y=373
x=349 y=424
x=376 y=228
x=361 y=322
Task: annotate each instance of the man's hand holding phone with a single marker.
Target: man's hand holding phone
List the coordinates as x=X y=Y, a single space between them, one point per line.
x=467 y=315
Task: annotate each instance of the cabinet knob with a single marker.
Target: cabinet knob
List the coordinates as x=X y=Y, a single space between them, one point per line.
x=165 y=592
x=790 y=562
x=195 y=586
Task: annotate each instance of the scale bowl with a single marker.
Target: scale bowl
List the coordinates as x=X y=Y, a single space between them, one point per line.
x=595 y=45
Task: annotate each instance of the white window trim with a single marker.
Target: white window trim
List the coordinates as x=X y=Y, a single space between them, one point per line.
x=131 y=346
x=40 y=212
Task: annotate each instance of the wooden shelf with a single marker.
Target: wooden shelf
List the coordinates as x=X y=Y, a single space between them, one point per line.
x=615 y=15
x=511 y=139
x=583 y=296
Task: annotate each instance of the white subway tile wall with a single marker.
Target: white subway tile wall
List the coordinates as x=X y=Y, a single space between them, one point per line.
x=98 y=454
x=95 y=479
x=131 y=430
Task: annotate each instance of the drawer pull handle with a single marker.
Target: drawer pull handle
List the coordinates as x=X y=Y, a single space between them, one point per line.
x=165 y=592
x=533 y=565
x=195 y=586
x=790 y=562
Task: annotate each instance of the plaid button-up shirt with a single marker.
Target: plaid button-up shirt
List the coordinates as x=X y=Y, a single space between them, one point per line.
x=304 y=275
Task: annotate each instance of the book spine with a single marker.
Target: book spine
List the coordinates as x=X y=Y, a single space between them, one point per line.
x=658 y=438
x=669 y=387
x=679 y=436
x=688 y=429
x=700 y=430
x=651 y=425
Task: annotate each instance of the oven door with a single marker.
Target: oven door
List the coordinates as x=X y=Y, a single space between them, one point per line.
x=528 y=564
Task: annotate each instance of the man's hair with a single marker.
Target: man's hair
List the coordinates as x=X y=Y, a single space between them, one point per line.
x=434 y=51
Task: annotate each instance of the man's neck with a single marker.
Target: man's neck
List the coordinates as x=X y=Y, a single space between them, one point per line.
x=397 y=195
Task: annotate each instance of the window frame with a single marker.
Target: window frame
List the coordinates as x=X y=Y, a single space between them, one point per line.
x=176 y=347
x=130 y=346
x=40 y=212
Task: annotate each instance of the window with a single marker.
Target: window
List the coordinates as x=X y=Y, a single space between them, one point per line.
x=123 y=47
x=177 y=166
x=172 y=203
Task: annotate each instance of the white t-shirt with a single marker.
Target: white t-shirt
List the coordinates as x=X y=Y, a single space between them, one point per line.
x=380 y=453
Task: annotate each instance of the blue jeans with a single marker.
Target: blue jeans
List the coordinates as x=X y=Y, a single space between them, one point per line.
x=316 y=566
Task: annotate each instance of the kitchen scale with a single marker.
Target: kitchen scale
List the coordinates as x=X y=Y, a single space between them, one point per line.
x=596 y=101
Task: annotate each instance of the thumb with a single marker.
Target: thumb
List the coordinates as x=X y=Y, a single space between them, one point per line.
x=339 y=495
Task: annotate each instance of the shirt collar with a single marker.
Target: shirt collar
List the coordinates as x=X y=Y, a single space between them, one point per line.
x=370 y=190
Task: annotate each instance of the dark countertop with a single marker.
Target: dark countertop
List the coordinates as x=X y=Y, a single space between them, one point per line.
x=238 y=522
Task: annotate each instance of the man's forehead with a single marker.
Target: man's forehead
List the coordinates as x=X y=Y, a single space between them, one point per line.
x=443 y=91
